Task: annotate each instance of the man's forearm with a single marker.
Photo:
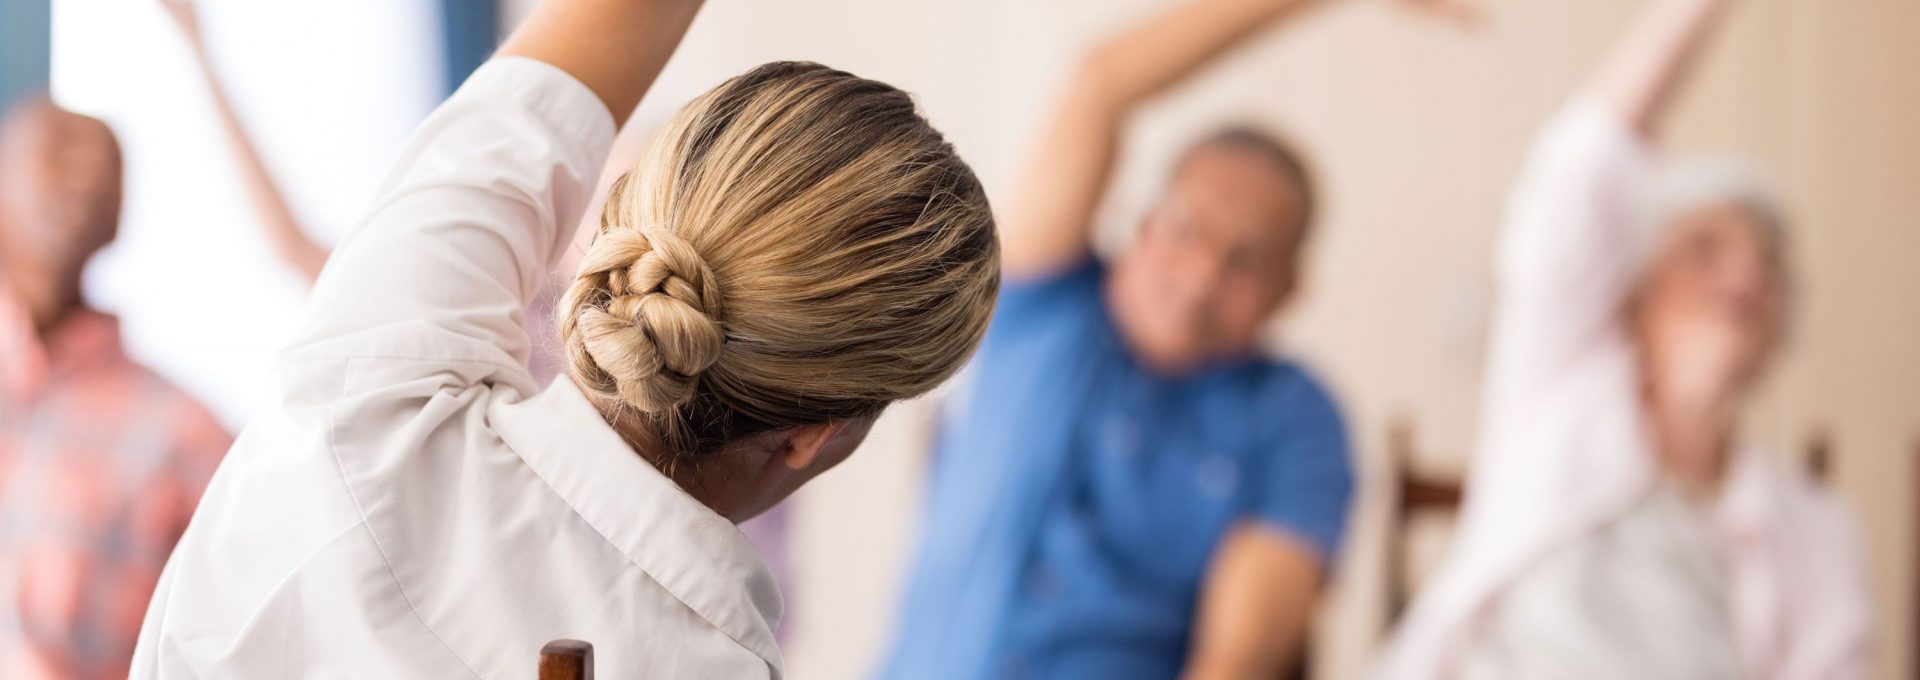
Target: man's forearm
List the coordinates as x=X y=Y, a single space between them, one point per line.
x=1255 y=606
x=1169 y=47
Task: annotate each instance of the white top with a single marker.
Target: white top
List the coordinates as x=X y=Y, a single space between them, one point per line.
x=1644 y=597
x=408 y=506
x=1563 y=450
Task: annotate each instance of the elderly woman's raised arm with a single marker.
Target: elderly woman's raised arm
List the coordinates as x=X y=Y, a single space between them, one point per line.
x=1568 y=251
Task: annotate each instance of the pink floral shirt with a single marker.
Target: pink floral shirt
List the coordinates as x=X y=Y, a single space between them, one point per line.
x=101 y=464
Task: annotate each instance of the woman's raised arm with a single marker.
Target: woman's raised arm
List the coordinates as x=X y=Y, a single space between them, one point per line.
x=485 y=195
x=615 y=47
x=1650 y=63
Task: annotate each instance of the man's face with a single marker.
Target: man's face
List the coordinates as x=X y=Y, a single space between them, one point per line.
x=59 y=190
x=1711 y=308
x=1213 y=260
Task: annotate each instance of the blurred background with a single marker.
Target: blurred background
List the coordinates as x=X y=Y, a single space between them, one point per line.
x=1415 y=133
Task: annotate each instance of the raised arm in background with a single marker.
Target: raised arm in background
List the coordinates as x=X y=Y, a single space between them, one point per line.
x=1565 y=251
x=615 y=47
x=487 y=190
x=284 y=234
x=1048 y=223
x=1650 y=63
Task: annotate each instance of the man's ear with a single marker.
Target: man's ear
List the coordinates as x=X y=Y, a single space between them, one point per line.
x=1289 y=284
x=805 y=442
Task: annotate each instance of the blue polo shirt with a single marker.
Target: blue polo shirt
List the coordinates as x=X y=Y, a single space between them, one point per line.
x=1075 y=499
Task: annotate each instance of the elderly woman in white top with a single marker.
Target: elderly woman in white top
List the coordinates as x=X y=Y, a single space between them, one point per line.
x=798 y=249
x=1615 y=527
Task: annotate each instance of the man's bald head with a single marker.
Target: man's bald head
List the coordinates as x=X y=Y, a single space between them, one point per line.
x=59 y=193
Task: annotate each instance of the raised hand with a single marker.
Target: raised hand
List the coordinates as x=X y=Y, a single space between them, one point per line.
x=186 y=16
x=1650 y=63
x=1460 y=12
x=284 y=232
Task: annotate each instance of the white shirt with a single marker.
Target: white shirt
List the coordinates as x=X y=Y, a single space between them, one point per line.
x=408 y=506
x=1644 y=597
x=1563 y=451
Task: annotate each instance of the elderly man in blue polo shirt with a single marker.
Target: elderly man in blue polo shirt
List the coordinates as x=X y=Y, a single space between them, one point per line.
x=1128 y=490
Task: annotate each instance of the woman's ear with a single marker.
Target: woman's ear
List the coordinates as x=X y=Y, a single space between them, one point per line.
x=805 y=442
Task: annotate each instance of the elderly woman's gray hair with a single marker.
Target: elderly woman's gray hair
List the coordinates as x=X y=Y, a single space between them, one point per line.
x=1684 y=186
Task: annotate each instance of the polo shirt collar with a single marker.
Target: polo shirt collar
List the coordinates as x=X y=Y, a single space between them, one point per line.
x=27 y=362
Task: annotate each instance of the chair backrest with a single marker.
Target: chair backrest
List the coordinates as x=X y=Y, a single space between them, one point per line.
x=1819 y=460
x=566 y=660
x=1413 y=494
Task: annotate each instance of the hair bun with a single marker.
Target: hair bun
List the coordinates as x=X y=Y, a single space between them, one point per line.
x=649 y=321
x=858 y=250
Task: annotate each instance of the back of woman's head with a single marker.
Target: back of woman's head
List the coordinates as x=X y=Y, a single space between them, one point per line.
x=798 y=246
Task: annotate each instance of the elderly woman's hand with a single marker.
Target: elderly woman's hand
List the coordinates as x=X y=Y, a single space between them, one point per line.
x=186 y=16
x=1460 y=12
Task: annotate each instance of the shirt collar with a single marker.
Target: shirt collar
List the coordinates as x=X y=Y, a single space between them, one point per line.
x=1747 y=493
x=694 y=553
x=27 y=362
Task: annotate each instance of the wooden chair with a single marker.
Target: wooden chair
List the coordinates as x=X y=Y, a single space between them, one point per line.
x=1819 y=460
x=566 y=660
x=1413 y=494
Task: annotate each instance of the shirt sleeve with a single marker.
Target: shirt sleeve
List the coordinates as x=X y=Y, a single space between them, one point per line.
x=1024 y=299
x=475 y=213
x=1304 y=482
x=1567 y=252
x=1069 y=298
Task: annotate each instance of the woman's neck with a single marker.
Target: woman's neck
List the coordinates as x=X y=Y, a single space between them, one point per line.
x=1693 y=441
x=696 y=480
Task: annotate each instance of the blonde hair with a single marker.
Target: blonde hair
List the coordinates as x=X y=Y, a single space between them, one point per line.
x=797 y=246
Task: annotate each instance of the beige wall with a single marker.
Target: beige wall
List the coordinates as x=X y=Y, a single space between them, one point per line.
x=1415 y=131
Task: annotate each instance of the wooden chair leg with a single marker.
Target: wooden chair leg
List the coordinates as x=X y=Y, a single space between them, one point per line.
x=1400 y=458
x=566 y=660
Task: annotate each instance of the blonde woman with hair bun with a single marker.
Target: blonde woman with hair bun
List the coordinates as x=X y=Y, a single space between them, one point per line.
x=713 y=306
x=798 y=249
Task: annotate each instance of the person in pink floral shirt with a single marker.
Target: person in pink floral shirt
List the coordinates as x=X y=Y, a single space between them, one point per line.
x=101 y=461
